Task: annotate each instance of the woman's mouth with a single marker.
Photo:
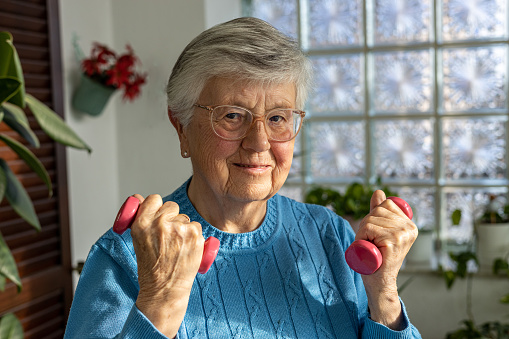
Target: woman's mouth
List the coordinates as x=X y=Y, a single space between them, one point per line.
x=253 y=169
x=251 y=166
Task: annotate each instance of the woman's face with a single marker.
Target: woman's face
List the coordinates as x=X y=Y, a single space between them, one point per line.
x=246 y=170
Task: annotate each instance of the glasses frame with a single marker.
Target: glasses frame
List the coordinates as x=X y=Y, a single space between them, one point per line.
x=212 y=108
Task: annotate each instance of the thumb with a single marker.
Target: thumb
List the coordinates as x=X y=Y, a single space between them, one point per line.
x=377 y=198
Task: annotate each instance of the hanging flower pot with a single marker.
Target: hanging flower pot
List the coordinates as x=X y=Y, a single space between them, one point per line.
x=91 y=96
x=103 y=73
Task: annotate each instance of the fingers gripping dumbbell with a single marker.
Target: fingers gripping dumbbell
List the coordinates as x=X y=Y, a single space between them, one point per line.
x=125 y=219
x=363 y=256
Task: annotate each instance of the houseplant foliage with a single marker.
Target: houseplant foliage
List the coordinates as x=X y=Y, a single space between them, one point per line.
x=494 y=213
x=14 y=100
x=489 y=329
x=354 y=203
x=103 y=72
x=492 y=232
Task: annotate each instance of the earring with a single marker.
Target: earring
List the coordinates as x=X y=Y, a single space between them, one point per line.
x=185 y=154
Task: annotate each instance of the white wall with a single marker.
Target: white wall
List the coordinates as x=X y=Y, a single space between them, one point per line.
x=135 y=149
x=92 y=178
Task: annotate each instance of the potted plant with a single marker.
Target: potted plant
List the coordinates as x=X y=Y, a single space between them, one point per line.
x=13 y=100
x=492 y=232
x=353 y=205
x=102 y=74
x=489 y=329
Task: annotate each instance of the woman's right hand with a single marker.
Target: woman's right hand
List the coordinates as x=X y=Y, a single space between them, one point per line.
x=168 y=250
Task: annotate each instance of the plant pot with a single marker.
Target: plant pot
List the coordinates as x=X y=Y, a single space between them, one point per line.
x=422 y=249
x=492 y=243
x=91 y=96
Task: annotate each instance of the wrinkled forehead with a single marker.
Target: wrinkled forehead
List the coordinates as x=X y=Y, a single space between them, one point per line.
x=248 y=93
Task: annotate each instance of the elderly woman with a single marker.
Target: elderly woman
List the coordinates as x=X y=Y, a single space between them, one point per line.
x=235 y=97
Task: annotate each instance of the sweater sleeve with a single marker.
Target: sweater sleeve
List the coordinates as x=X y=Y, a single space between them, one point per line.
x=104 y=302
x=369 y=328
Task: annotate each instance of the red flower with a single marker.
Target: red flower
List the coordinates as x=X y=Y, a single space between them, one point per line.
x=117 y=76
x=132 y=90
x=109 y=69
x=89 y=66
x=104 y=54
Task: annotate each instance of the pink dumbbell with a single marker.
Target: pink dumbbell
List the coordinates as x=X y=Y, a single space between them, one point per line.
x=363 y=256
x=125 y=219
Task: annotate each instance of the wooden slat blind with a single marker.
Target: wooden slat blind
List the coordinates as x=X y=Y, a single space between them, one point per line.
x=43 y=257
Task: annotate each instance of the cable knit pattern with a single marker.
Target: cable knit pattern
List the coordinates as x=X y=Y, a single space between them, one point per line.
x=287 y=279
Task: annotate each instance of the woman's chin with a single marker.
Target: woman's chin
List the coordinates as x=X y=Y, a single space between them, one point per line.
x=252 y=192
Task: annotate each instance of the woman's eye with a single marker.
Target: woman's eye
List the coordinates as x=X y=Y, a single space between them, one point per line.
x=276 y=118
x=232 y=116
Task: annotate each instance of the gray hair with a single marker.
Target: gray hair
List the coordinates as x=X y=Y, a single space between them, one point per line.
x=246 y=49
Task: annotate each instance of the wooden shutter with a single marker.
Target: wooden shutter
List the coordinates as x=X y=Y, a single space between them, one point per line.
x=43 y=258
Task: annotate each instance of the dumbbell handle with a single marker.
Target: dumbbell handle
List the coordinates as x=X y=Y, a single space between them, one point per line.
x=363 y=256
x=125 y=219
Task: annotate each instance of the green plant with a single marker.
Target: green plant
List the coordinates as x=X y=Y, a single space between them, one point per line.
x=501 y=267
x=355 y=202
x=496 y=212
x=14 y=100
x=461 y=271
x=490 y=329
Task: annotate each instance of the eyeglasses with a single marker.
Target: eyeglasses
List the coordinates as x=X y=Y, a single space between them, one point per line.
x=233 y=122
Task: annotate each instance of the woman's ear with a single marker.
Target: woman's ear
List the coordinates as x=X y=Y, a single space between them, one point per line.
x=184 y=147
x=174 y=121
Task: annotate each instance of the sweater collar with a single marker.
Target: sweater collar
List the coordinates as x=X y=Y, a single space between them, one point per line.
x=231 y=242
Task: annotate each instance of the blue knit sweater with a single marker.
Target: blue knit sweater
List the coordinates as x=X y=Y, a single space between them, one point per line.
x=287 y=279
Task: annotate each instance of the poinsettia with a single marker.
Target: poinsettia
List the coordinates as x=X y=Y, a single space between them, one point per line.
x=117 y=71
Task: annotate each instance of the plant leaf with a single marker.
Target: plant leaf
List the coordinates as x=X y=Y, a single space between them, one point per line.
x=7 y=264
x=30 y=159
x=54 y=126
x=18 y=197
x=10 y=327
x=449 y=277
x=3 y=184
x=456 y=217
x=5 y=52
x=16 y=119
x=2 y=283
x=8 y=88
x=10 y=66
x=499 y=265
x=505 y=299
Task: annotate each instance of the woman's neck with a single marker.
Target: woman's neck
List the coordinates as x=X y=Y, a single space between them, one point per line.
x=224 y=213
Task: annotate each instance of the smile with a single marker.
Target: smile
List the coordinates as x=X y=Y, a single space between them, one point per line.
x=251 y=166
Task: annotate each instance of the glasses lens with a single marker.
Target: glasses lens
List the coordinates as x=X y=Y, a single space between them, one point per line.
x=283 y=124
x=231 y=122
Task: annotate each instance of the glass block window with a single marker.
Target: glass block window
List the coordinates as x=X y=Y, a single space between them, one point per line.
x=339 y=85
x=407 y=92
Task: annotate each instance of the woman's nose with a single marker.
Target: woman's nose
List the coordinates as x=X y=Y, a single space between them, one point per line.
x=256 y=138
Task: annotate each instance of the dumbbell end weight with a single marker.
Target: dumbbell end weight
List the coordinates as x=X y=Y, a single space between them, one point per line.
x=125 y=219
x=126 y=215
x=363 y=256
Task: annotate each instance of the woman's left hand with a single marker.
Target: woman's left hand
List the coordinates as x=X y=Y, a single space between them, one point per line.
x=393 y=233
